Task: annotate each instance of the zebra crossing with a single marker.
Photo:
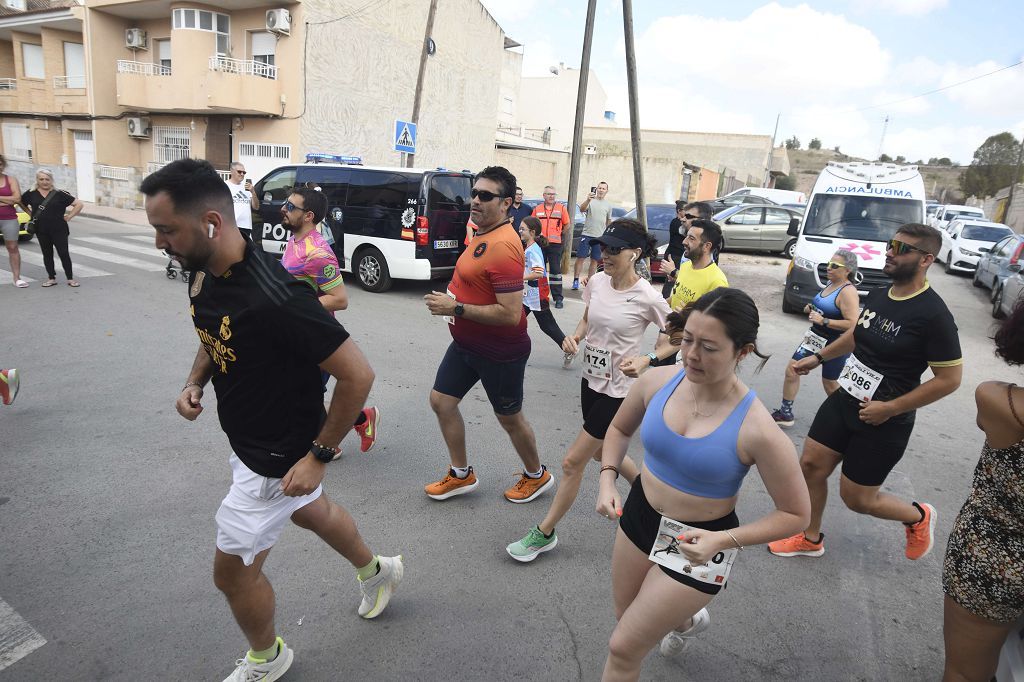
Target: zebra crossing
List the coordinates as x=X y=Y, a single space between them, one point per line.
x=91 y=256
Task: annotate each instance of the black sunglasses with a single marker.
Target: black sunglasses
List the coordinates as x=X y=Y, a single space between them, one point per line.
x=899 y=248
x=611 y=250
x=484 y=195
x=240 y=172
x=289 y=206
x=690 y=216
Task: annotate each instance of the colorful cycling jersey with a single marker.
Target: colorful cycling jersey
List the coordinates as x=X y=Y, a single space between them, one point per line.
x=493 y=264
x=312 y=261
x=536 y=291
x=901 y=337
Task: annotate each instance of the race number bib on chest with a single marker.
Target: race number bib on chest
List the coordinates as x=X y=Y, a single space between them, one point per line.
x=813 y=343
x=859 y=380
x=667 y=553
x=597 y=362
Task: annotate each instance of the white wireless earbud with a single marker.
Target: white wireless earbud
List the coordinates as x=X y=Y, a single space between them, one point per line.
x=633 y=259
x=211 y=230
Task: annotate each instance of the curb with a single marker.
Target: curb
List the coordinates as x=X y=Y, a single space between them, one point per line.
x=109 y=219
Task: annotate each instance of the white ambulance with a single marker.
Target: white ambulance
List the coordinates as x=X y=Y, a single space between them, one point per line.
x=857 y=206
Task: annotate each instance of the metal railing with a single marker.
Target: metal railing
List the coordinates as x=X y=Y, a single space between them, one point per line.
x=542 y=135
x=70 y=82
x=115 y=172
x=245 y=67
x=143 y=68
x=154 y=166
x=8 y=84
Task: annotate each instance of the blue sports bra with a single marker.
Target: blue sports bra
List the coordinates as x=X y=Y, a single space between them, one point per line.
x=707 y=466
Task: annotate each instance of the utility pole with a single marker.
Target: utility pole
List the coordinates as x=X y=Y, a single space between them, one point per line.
x=881 y=143
x=424 y=53
x=577 y=133
x=771 y=152
x=634 y=112
x=1013 y=181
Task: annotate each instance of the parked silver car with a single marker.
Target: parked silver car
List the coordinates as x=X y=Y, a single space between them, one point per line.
x=1007 y=295
x=999 y=262
x=758 y=228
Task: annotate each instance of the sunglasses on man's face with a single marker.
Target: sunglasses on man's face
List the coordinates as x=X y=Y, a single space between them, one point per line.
x=690 y=216
x=289 y=206
x=899 y=248
x=832 y=265
x=483 y=195
x=240 y=172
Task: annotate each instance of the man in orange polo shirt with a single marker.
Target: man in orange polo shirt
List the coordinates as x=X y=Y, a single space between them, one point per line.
x=484 y=310
x=554 y=218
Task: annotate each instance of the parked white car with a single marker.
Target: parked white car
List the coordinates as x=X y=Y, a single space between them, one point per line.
x=778 y=196
x=950 y=212
x=963 y=242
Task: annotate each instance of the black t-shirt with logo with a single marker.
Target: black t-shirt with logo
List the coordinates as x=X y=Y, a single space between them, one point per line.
x=901 y=338
x=266 y=332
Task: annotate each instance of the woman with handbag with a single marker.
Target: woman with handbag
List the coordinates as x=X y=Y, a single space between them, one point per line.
x=10 y=194
x=51 y=209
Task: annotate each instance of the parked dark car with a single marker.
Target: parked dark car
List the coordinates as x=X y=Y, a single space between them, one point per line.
x=577 y=223
x=758 y=228
x=658 y=218
x=1001 y=261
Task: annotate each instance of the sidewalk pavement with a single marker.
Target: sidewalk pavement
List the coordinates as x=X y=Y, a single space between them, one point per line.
x=128 y=216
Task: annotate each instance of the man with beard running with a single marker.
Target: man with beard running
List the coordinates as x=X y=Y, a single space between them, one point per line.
x=865 y=425
x=308 y=258
x=263 y=339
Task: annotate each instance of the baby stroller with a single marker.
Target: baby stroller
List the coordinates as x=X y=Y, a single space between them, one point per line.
x=173 y=268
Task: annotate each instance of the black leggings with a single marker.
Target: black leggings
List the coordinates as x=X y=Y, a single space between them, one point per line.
x=547 y=323
x=46 y=244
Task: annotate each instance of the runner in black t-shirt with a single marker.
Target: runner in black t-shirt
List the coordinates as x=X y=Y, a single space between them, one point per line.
x=263 y=339
x=866 y=423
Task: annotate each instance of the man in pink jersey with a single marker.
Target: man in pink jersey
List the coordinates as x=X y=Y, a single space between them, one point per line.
x=309 y=258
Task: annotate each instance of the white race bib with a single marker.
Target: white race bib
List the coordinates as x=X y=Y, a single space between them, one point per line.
x=448 y=318
x=666 y=552
x=597 y=362
x=859 y=380
x=813 y=343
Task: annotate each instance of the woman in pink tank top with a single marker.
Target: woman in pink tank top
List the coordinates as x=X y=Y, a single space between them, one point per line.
x=10 y=194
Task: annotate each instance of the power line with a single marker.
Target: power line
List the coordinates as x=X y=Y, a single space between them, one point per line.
x=932 y=92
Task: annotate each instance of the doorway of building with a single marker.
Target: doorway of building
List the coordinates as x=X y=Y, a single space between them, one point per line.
x=218 y=142
x=85 y=156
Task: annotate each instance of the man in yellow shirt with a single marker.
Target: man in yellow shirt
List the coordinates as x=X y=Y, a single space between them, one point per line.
x=701 y=273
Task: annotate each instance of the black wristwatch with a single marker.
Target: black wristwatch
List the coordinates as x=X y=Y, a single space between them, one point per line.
x=459 y=309
x=323 y=453
x=821 y=360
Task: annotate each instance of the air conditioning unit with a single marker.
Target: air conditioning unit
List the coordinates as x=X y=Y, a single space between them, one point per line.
x=135 y=39
x=279 y=21
x=138 y=126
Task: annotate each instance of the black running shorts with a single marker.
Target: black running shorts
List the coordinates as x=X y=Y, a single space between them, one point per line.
x=503 y=381
x=598 y=410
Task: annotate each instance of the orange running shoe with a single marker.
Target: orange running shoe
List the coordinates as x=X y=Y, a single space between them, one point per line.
x=921 y=535
x=797 y=545
x=368 y=429
x=451 y=485
x=529 y=489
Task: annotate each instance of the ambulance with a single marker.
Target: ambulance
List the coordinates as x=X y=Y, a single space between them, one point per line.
x=857 y=206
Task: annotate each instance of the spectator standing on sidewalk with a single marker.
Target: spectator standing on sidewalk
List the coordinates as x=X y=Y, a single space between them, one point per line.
x=518 y=210
x=599 y=215
x=10 y=194
x=243 y=197
x=554 y=218
x=51 y=215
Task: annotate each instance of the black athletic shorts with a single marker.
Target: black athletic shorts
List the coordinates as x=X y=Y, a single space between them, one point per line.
x=598 y=410
x=640 y=522
x=503 y=381
x=869 y=452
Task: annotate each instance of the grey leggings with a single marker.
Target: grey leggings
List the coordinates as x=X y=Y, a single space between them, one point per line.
x=9 y=229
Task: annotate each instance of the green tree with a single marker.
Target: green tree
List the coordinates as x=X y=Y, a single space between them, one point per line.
x=836 y=149
x=944 y=161
x=901 y=159
x=993 y=168
x=885 y=158
x=815 y=143
x=793 y=143
x=785 y=182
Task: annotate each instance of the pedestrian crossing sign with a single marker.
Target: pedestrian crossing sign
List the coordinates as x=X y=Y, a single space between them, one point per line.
x=405 y=137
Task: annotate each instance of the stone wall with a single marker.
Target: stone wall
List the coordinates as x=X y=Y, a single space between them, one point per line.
x=25 y=172
x=119 y=192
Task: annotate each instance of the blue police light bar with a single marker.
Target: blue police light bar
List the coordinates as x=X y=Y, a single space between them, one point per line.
x=319 y=157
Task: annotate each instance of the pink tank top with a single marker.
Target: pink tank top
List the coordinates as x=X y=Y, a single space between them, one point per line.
x=7 y=212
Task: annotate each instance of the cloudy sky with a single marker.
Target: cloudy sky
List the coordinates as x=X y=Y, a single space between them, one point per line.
x=833 y=69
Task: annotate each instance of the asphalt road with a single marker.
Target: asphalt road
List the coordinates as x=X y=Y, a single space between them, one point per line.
x=107 y=499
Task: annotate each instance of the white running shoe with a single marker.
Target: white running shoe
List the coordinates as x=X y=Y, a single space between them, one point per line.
x=567 y=360
x=377 y=590
x=675 y=642
x=258 y=670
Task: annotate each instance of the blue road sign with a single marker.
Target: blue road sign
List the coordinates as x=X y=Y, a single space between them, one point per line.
x=405 y=137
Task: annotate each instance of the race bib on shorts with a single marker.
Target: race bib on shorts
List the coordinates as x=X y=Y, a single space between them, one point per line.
x=859 y=380
x=448 y=318
x=597 y=362
x=666 y=552
x=813 y=343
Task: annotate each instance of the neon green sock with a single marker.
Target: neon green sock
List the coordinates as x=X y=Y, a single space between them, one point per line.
x=369 y=570
x=265 y=655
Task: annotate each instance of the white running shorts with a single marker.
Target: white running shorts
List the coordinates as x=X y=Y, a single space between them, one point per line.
x=251 y=517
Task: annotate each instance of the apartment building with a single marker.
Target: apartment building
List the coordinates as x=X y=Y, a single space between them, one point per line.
x=106 y=91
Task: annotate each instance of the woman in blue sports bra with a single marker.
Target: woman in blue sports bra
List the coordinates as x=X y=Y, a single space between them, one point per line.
x=834 y=310
x=702 y=430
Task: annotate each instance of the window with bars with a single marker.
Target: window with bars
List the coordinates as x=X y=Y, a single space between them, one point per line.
x=171 y=143
x=17 y=141
x=278 y=152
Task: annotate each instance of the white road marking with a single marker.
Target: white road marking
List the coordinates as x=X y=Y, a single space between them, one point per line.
x=115 y=244
x=17 y=638
x=8 y=276
x=140 y=238
x=79 y=270
x=115 y=258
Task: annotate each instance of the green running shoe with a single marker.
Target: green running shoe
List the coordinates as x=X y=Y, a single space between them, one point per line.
x=534 y=543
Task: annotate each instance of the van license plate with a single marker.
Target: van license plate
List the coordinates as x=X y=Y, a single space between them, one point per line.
x=446 y=244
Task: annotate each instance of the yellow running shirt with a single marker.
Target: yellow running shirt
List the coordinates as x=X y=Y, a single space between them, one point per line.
x=692 y=284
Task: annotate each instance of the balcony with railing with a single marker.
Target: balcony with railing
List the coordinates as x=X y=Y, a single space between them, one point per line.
x=217 y=83
x=76 y=82
x=8 y=94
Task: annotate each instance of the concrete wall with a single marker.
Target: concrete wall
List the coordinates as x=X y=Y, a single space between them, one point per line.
x=362 y=76
x=551 y=101
x=535 y=168
x=508 y=90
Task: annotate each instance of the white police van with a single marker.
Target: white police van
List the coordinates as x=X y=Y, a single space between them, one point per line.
x=856 y=206
x=385 y=223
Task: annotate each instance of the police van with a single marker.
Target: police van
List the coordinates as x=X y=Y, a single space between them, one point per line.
x=385 y=223
x=857 y=206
